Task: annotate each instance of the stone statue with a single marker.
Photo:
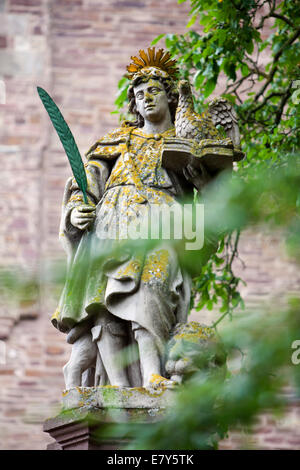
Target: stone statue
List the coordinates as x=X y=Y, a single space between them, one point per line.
x=119 y=311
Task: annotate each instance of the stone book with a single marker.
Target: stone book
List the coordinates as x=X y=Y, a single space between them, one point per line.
x=215 y=155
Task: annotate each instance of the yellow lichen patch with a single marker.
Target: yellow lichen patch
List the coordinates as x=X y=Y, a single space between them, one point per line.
x=110 y=386
x=55 y=315
x=192 y=337
x=130 y=269
x=158 y=379
x=127 y=393
x=96 y=163
x=156 y=266
x=150 y=392
x=76 y=198
x=84 y=391
x=140 y=163
x=193 y=332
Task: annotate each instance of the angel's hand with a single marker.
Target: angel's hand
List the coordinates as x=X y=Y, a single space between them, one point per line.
x=83 y=216
x=199 y=177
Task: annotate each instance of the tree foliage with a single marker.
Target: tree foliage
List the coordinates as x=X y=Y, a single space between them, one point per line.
x=254 y=44
x=206 y=408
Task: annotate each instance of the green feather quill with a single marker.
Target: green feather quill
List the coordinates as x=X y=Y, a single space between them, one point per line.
x=67 y=139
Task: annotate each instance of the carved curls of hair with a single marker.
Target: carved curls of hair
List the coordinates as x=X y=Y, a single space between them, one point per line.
x=172 y=95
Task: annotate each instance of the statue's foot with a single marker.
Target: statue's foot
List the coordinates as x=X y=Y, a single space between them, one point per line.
x=158 y=381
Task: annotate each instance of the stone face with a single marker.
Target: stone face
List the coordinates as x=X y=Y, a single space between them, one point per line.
x=190 y=344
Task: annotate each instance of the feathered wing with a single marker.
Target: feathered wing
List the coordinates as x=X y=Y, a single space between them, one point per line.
x=223 y=113
x=67 y=140
x=188 y=123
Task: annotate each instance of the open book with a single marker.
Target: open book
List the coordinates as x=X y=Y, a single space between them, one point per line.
x=215 y=155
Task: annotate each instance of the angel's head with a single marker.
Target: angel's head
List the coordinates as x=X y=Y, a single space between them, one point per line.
x=147 y=82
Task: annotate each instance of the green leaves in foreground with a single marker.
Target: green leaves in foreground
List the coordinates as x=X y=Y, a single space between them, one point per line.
x=206 y=408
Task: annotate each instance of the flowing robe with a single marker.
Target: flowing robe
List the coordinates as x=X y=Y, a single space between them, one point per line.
x=146 y=287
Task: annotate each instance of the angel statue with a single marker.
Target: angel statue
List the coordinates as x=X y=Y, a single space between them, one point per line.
x=124 y=303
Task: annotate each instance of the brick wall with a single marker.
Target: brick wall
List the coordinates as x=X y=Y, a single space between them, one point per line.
x=77 y=50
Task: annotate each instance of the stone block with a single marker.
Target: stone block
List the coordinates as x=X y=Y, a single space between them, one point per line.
x=12 y=24
x=27 y=3
x=21 y=63
x=117 y=397
x=93 y=418
x=3 y=41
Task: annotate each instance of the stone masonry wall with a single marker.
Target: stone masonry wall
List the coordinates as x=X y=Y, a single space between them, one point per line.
x=77 y=50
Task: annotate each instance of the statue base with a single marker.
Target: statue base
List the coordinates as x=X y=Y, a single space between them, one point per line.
x=94 y=418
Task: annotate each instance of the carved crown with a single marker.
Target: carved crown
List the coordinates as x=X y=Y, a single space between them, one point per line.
x=160 y=60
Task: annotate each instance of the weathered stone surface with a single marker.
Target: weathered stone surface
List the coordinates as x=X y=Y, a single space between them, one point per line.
x=90 y=414
x=13 y=24
x=79 y=430
x=117 y=397
x=21 y=63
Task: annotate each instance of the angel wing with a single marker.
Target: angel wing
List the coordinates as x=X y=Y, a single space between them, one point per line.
x=223 y=113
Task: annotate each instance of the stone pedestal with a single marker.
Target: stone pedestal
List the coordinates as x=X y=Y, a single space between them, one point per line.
x=103 y=418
